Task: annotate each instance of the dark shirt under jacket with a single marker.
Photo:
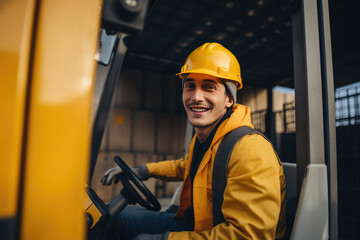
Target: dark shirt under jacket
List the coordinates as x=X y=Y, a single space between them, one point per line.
x=199 y=151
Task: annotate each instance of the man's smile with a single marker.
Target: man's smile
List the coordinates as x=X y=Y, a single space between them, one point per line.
x=198 y=109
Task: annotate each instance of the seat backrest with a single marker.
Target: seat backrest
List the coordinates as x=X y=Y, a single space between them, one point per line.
x=290 y=196
x=290 y=177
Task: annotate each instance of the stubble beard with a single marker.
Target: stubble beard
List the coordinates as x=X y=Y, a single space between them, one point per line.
x=205 y=125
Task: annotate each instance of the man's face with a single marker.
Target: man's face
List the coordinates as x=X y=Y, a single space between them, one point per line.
x=205 y=100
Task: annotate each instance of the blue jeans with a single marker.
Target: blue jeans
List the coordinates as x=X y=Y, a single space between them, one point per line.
x=134 y=220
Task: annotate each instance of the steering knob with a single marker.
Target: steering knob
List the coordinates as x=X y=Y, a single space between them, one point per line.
x=131 y=6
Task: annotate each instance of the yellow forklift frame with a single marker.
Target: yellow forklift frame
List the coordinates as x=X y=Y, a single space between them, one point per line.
x=47 y=65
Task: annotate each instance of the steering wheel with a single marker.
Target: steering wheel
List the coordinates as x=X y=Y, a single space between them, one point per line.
x=130 y=192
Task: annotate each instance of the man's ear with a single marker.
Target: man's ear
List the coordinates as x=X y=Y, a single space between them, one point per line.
x=229 y=101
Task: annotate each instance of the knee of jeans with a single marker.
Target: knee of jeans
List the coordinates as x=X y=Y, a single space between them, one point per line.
x=121 y=219
x=127 y=215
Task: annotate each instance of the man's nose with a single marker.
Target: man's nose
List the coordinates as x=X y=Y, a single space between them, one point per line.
x=197 y=95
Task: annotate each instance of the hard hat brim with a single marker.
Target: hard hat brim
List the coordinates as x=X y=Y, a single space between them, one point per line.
x=237 y=81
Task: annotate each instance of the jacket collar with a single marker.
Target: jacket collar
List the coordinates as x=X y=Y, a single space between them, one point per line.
x=241 y=116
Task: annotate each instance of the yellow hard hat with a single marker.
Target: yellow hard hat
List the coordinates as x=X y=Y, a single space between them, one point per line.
x=215 y=60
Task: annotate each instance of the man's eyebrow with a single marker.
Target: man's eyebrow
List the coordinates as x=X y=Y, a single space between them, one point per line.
x=210 y=81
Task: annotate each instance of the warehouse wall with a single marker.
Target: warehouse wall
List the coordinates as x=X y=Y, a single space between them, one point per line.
x=146 y=124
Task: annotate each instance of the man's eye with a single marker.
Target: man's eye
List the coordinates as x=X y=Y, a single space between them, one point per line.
x=189 y=85
x=210 y=87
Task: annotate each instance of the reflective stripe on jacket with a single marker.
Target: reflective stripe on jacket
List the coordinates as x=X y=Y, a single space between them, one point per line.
x=254 y=194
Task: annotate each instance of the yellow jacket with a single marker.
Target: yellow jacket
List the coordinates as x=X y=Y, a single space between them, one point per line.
x=254 y=194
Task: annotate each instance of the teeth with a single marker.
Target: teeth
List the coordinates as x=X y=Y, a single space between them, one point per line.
x=199 y=109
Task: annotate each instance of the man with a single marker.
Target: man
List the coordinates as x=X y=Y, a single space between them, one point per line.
x=253 y=200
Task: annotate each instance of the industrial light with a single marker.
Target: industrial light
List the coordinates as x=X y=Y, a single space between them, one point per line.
x=220 y=36
x=198 y=31
x=254 y=45
x=229 y=4
x=230 y=28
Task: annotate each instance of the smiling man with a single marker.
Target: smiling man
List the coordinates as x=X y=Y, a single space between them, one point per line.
x=251 y=204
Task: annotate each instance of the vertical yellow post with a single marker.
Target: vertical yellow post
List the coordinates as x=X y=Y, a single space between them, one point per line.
x=58 y=128
x=16 y=26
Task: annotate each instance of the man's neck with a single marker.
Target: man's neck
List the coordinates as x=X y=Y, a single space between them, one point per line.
x=204 y=132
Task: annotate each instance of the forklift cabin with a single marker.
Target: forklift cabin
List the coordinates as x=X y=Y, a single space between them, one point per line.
x=52 y=130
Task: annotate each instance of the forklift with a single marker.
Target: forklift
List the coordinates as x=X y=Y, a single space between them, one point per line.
x=55 y=113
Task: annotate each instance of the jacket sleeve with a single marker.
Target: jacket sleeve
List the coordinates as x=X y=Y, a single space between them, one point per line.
x=169 y=170
x=252 y=198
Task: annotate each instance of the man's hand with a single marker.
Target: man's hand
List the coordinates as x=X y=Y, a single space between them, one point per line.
x=110 y=175
x=113 y=174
